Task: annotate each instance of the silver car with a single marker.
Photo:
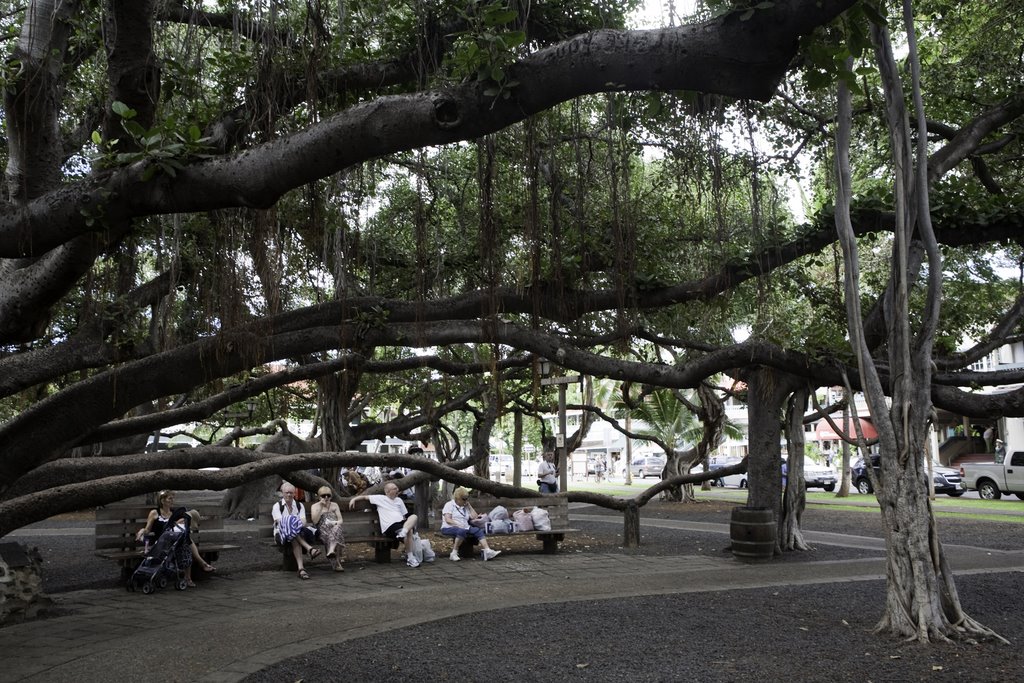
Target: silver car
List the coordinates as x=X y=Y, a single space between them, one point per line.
x=648 y=466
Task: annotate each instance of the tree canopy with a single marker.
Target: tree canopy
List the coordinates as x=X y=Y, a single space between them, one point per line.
x=409 y=203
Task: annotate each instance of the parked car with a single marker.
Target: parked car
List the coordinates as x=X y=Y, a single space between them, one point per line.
x=500 y=466
x=647 y=466
x=945 y=479
x=737 y=480
x=819 y=476
x=993 y=479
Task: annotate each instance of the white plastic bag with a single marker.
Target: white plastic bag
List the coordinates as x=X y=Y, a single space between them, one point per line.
x=541 y=519
x=417 y=548
x=498 y=512
x=499 y=526
x=426 y=550
x=524 y=520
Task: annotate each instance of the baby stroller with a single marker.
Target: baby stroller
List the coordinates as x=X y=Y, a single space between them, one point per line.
x=160 y=565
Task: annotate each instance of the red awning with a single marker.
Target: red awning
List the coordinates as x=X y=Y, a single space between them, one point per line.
x=825 y=432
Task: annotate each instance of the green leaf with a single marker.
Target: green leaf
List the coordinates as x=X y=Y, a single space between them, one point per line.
x=746 y=15
x=134 y=129
x=96 y=137
x=123 y=110
x=496 y=17
x=194 y=133
x=873 y=15
x=513 y=38
x=497 y=74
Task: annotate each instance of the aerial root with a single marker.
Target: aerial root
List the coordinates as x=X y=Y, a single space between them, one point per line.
x=967 y=626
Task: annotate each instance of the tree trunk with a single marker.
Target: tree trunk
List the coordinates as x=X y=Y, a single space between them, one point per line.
x=629 y=451
x=631 y=525
x=517 y=448
x=795 y=496
x=921 y=598
x=844 y=481
x=336 y=393
x=766 y=394
x=248 y=500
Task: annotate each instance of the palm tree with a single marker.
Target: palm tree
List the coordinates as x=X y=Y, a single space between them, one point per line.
x=675 y=419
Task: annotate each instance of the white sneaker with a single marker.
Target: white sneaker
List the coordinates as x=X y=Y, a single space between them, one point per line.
x=412 y=562
x=400 y=534
x=491 y=554
x=454 y=557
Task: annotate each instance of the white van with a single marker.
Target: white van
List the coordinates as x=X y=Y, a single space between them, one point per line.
x=502 y=466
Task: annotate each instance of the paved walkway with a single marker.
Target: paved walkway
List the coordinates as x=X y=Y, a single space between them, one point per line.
x=233 y=626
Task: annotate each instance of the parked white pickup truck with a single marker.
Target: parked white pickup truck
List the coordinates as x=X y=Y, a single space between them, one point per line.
x=992 y=479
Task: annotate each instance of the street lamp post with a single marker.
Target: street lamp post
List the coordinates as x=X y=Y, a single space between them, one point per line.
x=560 y=445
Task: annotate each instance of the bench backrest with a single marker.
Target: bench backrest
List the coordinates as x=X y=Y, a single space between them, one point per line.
x=361 y=523
x=557 y=507
x=117 y=524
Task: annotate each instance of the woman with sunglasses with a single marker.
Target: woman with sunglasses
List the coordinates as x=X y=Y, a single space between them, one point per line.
x=326 y=516
x=156 y=523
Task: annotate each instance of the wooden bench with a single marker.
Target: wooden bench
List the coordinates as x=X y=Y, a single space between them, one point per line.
x=118 y=524
x=556 y=505
x=360 y=525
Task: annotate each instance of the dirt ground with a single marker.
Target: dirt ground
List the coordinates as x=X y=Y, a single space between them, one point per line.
x=819 y=632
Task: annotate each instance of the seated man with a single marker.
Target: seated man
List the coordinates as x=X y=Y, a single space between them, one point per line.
x=395 y=520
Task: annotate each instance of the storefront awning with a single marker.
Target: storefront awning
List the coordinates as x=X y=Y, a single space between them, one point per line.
x=824 y=432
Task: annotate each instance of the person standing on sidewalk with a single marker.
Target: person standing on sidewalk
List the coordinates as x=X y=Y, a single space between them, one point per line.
x=395 y=520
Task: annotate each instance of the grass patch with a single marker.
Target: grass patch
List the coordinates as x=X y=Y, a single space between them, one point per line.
x=1009 y=519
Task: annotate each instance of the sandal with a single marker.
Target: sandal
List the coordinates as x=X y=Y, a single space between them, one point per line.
x=303 y=574
x=331 y=555
x=339 y=568
x=314 y=553
x=209 y=567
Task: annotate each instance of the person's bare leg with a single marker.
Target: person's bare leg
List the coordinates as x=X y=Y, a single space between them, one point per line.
x=408 y=528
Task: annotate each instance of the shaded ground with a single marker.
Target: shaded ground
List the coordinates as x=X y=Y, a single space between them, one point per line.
x=807 y=633
x=819 y=632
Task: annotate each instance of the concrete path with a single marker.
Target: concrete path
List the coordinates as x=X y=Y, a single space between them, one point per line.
x=232 y=626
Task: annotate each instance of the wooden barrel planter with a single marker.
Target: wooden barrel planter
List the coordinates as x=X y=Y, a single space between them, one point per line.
x=752 y=533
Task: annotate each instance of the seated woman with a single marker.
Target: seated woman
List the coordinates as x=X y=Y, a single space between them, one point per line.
x=290 y=527
x=326 y=516
x=458 y=514
x=156 y=522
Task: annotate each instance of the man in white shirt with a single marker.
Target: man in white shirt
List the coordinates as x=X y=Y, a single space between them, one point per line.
x=395 y=520
x=547 y=474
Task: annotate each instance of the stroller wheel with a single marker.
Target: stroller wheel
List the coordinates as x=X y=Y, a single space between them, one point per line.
x=181 y=585
x=147 y=588
x=162 y=583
